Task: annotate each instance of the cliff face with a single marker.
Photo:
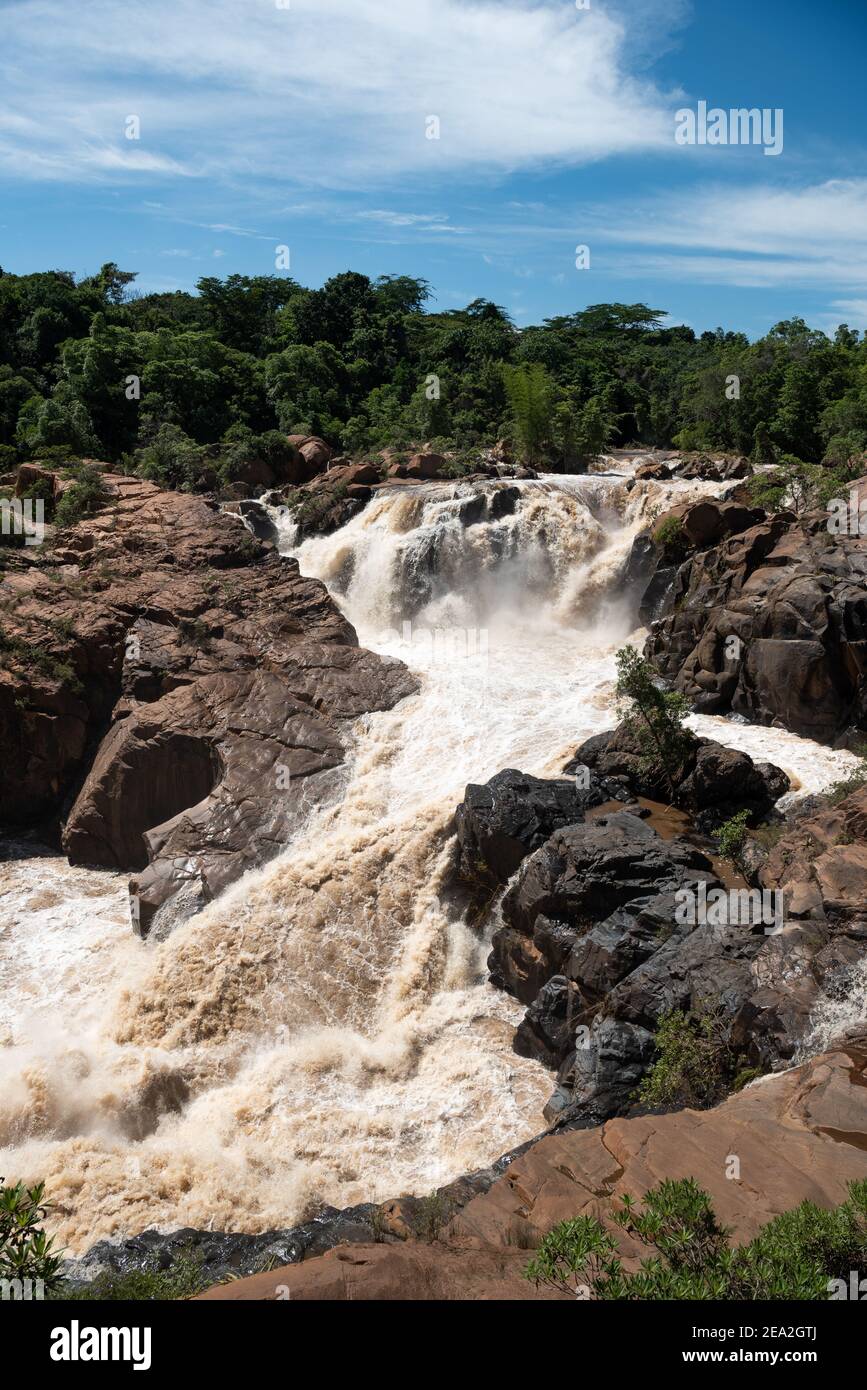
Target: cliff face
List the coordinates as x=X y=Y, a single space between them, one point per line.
x=176 y=690
x=767 y=618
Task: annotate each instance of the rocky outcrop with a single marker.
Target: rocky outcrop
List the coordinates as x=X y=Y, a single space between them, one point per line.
x=510 y=816
x=593 y=935
x=717 y=782
x=578 y=877
x=180 y=687
x=420 y=466
x=798 y=1136
x=331 y=499
x=769 y=622
x=315 y=453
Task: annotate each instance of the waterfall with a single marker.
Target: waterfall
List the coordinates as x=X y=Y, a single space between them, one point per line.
x=324 y=1031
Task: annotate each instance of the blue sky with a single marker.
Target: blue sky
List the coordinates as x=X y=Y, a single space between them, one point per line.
x=265 y=124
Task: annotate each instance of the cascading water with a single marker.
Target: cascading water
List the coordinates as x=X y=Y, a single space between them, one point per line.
x=324 y=1031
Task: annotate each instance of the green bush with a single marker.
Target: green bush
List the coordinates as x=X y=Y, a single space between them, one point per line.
x=432 y=1214
x=25 y=1250
x=241 y=446
x=731 y=838
x=845 y=786
x=672 y=540
x=184 y=1278
x=171 y=459
x=655 y=718
x=795 y=1256
x=86 y=496
x=693 y=1063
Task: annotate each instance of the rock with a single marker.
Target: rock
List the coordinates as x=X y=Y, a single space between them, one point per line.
x=578 y=877
x=658 y=471
x=331 y=499
x=256 y=518
x=425 y=466
x=599 y=1078
x=546 y=1031
x=719 y=469
x=33 y=477
x=771 y=623
x=801 y=1135
x=718 y=781
x=617 y=945
x=170 y=665
x=499 y=823
x=315 y=452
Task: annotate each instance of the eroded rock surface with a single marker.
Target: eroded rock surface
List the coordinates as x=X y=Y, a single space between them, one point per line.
x=179 y=689
x=769 y=622
x=800 y=1135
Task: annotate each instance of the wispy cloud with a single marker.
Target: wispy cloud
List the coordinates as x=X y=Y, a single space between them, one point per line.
x=751 y=236
x=327 y=91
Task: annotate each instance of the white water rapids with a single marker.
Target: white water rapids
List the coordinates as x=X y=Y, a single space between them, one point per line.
x=324 y=1032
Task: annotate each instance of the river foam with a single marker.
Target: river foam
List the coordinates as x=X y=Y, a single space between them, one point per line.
x=324 y=1032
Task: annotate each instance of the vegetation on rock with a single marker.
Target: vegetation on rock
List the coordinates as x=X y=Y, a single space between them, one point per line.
x=795 y=1256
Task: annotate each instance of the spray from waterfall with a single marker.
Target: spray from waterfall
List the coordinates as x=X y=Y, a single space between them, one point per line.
x=324 y=1031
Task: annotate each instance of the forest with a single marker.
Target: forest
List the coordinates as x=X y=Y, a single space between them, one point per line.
x=163 y=384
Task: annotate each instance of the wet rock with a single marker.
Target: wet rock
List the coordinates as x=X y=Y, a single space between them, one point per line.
x=717 y=781
x=504 y=820
x=771 y=624
x=577 y=878
x=180 y=687
x=599 y=1078
x=546 y=1030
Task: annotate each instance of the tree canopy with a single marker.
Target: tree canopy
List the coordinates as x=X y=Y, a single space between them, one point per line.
x=95 y=367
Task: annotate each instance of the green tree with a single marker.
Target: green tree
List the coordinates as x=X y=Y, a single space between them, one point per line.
x=654 y=716
x=530 y=390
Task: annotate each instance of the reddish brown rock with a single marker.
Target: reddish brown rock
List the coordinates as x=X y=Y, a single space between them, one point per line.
x=315 y=452
x=770 y=623
x=798 y=1136
x=170 y=660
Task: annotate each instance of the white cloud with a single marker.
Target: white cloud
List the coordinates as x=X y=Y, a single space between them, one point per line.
x=751 y=236
x=330 y=92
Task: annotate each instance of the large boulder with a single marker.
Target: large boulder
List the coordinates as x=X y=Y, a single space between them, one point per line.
x=770 y=623
x=717 y=781
x=180 y=688
x=578 y=877
x=504 y=820
x=314 y=451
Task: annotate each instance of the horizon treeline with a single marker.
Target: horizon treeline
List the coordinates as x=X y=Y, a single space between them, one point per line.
x=174 y=385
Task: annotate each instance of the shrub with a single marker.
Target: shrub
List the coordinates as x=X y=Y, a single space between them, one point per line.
x=655 y=719
x=184 y=1278
x=241 y=447
x=857 y=778
x=672 y=539
x=432 y=1214
x=693 y=1063
x=171 y=459
x=86 y=496
x=795 y=1256
x=731 y=838
x=25 y=1250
